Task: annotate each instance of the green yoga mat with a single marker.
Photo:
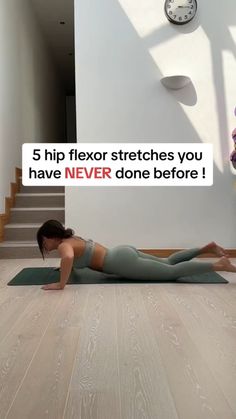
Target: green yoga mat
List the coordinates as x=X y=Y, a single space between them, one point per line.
x=41 y=276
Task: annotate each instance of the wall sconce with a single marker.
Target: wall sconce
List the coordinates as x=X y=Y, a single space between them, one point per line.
x=175 y=82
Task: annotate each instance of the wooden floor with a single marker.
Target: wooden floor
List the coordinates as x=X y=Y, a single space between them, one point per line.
x=130 y=351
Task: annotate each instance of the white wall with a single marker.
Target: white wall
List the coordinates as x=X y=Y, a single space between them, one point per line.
x=70 y=119
x=123 y=48
x=32 y=103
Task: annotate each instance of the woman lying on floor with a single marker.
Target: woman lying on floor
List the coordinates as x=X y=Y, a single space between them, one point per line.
x=124 y=261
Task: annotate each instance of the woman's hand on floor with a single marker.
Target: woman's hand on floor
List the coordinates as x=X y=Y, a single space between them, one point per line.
x=53 y=286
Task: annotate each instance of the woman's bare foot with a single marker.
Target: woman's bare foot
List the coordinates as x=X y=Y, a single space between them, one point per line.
x=214 y=248
x=224 y=264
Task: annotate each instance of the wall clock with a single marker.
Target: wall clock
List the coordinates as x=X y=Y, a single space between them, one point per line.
x=180 y=11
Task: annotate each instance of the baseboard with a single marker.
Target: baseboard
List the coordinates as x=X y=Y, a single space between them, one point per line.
x=163 y=253
x=10 y=202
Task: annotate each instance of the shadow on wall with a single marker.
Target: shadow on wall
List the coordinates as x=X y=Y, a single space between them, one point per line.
x=122 y=95
x=122 y=98
x=137 y=84
x=187 y=96
x=42 y=95
x=220 y=40
x=10 y=104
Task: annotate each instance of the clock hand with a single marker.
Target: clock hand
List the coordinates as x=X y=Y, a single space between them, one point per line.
x=184 y=7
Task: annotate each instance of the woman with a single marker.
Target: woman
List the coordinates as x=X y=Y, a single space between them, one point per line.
x=124 y=261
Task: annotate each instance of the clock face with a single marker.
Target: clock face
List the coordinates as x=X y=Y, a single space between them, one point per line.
x=180 y=11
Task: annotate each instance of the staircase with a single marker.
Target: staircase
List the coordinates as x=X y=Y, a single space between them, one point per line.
x=33 y=206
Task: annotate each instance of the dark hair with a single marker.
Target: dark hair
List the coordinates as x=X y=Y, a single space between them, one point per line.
x=52 y=229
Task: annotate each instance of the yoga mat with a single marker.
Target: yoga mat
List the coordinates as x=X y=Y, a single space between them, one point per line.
x=42 y=276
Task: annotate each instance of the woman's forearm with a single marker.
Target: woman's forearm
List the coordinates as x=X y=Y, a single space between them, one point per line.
x=66 y=267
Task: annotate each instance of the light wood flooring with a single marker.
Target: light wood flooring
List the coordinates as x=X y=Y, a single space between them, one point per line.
x=117 y=351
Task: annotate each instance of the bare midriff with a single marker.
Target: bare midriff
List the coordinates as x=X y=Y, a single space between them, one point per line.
x=98 y=256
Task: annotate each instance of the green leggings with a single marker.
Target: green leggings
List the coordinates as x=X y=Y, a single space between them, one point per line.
x=128 y=262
